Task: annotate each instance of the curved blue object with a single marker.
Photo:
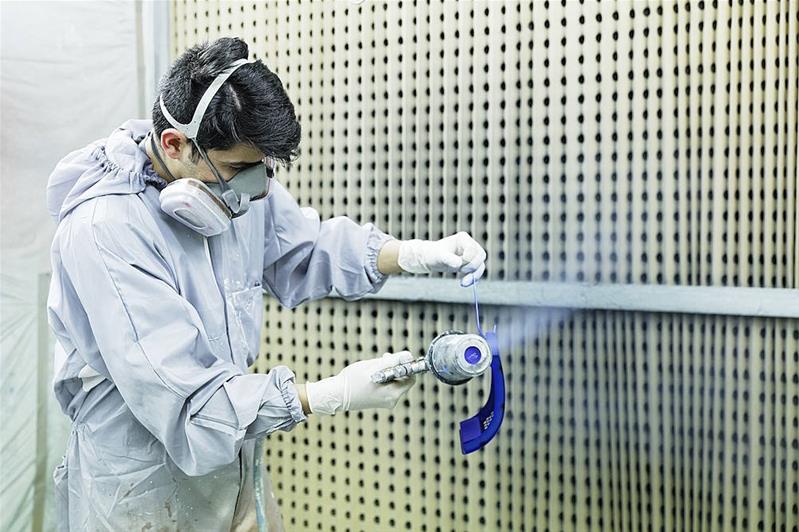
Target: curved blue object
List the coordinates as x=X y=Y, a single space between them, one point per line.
x=480 y=429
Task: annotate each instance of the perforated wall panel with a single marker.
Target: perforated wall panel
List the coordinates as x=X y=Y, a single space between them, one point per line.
x=629 y=142
x=614 y=142
x=615 y=421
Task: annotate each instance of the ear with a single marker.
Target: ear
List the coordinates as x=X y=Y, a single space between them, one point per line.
x=174 y=143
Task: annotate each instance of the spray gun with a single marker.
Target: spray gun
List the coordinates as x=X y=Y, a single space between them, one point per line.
x=455 y=357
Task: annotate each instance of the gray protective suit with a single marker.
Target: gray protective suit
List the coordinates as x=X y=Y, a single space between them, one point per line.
x=157 y=325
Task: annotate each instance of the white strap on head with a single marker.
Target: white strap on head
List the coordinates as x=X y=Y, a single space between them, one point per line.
x=192 y=128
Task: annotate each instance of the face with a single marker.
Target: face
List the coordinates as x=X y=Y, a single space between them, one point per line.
x=227 y=162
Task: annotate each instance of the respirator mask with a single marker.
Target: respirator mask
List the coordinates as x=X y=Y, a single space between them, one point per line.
x=208 y=208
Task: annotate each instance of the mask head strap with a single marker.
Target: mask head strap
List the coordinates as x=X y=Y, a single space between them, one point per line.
x=192 y=128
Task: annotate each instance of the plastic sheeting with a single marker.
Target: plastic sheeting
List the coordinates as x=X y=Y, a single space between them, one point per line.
x=69 y=73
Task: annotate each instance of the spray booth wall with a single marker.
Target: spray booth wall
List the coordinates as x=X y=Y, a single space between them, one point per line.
x=581 y=142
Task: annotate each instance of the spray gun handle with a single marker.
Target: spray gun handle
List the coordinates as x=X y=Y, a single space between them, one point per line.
x=400 y=371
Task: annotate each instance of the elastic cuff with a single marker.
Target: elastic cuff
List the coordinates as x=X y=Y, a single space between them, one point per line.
x=325 y=397
x=374 y=244
x=285 y=383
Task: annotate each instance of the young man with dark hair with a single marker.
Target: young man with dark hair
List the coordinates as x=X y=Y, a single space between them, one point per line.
x=168 y=232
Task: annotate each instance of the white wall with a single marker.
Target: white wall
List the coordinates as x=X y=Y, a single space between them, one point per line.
x=70 y=72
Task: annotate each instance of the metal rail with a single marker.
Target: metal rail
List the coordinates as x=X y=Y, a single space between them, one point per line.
x=728 y=301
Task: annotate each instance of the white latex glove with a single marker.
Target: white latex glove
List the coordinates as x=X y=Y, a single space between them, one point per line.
x=353 y=389
x=457 y=253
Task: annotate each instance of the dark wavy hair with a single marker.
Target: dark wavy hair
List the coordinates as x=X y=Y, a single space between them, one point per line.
x=252 y=107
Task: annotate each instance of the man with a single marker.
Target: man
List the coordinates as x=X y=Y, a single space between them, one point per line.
x=168 y=232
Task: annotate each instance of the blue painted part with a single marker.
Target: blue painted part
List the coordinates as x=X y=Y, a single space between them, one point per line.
x=480 y=429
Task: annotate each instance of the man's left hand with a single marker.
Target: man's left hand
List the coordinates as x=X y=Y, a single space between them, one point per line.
x=457 y=253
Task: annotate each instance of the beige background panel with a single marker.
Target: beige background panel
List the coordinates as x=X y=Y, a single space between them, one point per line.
x=611 y=142
x=614 y=421
x=625 y=142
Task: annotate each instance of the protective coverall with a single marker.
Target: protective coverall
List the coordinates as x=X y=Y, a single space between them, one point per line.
x=157 y=325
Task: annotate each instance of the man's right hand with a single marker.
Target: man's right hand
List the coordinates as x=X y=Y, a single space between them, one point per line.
x=353 y=389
